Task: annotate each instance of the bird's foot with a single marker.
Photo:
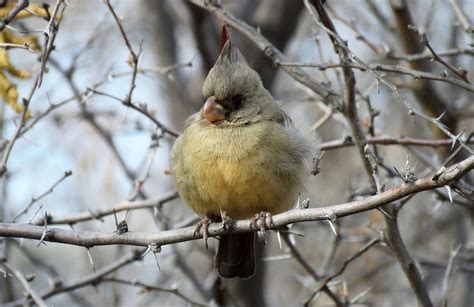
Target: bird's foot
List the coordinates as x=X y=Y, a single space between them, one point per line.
x=262 y=221
x=204 y=224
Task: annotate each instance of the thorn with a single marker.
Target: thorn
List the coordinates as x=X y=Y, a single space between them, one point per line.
x=456 y=139
x=224 y=36
x=38 y=210
x=441 y=116
x=146 y=251
x=279 y=240
x=115 y=217
x=333 y=228
x=156 y=259
x=45 y=230
x=359 y=296
x=156 y=249
x=385 y=213
x=298 y=201
x=90 y=258
x=449 y=193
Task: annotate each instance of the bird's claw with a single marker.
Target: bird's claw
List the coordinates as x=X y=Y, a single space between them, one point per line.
x=262 y=221
x=204 y=224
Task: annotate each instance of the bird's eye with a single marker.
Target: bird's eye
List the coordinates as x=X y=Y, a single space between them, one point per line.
x=237 y=101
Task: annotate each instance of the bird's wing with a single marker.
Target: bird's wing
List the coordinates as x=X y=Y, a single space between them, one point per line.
x=282 y=118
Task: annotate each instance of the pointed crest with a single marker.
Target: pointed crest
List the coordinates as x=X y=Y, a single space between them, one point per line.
x=228 y=51
x=225 y=36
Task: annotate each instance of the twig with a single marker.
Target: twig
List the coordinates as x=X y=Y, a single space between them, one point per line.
x=14 y=138
x=441 y=264
x=88 y=280
x=408 y=265
x=417 y=74
x=133 y=60
x=50 y=109
x=139 y=109
x=427 y=55
x=147 y=287
x=19 y=6
x=36 y=298
x=90 y=118
x=375 y=170
x=124 y=206
x=461 y=17
x=25 y=46
x=359 y=35
x=461 y=73
x=449 y=269
x=350 y=110
x=36 y=199
x=387 y=140
x=310 y=270
x=49 y=37
x=26 y=101
x=341 y=270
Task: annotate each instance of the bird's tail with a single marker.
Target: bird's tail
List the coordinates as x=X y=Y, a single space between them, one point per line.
x=236 y=256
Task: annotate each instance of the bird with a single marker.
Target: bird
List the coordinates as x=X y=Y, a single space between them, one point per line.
x=239 y=156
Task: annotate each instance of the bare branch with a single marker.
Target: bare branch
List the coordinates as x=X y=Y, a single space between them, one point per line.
x=461 y=17
x=350 y=109
x=26 y=101
x=36 y=199
x=417 y=74
x=341 y=270
x=89 y=280
x=310 y=270
x=148 y=288
x=387 y=140
x=449 y=268
x=19 y=6
x=445 y=176
x=98 y=214
x=36 y=298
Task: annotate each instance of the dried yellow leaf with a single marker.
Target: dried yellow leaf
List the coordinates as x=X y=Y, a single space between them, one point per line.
x=31 y=10
x=8 y=89
x=9 y=94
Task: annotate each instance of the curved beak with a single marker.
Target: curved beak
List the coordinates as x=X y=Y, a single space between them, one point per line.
x=213 y=111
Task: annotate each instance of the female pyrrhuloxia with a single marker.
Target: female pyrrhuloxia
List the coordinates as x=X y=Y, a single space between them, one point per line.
x=238 y=155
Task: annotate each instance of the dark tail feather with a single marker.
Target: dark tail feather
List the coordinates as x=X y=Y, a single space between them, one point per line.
x=236 y=256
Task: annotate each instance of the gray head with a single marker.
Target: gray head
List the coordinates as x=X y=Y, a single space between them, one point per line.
x=234 y=92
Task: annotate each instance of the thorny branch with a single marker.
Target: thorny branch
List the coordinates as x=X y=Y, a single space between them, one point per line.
x=51 y=35
x=416 y=74
x=341 y=270
x=350 y=109
x=147 y=288
x=89 y=280
x=443 y=177
x=99 y=214
x=387 y=140
x=36 y=199
x=311 y=271
x=36 y=298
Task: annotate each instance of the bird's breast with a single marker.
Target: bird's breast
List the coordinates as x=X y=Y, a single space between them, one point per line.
x=234 y=170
